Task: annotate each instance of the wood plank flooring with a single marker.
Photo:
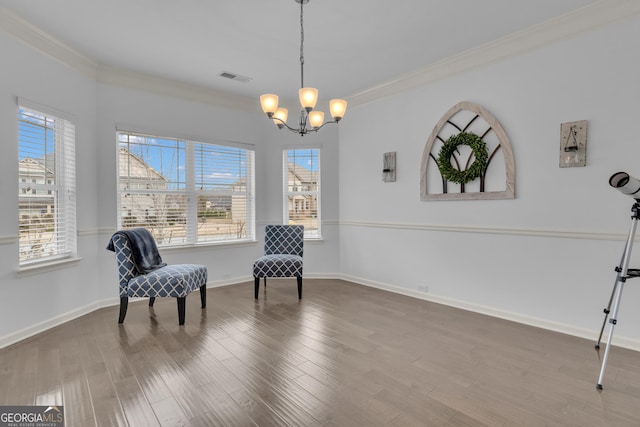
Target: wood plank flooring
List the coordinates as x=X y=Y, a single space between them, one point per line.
x=345 y=355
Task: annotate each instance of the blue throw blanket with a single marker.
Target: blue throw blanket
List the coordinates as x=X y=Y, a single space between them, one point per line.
x=143 y=249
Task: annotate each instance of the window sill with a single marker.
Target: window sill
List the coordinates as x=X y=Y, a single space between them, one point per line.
x=45 y=267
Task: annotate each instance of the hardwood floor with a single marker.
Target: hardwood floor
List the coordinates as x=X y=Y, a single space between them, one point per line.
x=345 y=355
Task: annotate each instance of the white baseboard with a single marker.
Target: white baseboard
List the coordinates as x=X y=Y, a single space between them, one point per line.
x=32 y=330
x=229 y=281
x=563 y=328
x=589 y=334
x=37 y=328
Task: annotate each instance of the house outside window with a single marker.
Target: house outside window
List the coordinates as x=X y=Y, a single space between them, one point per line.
x=46 y=185
x=185 y=192
x=302 y=190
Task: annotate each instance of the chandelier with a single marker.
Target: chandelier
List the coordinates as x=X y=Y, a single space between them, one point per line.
x=310 y=120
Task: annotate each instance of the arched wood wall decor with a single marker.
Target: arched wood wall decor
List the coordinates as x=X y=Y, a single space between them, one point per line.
x=497 y=180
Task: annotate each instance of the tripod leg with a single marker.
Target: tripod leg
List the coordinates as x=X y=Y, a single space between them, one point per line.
x=612 y=322
x=607 y=310
x=622 y=277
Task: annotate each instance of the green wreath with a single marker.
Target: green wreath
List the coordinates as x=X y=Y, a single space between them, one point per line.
x=475 y=170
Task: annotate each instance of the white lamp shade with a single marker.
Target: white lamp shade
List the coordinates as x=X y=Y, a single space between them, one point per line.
x=308 y=97
x=338 y=108
x=269 y=103
x=282 y=114
x=316 y=118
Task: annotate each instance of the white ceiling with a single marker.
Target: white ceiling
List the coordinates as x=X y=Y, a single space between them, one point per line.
x=350 y=45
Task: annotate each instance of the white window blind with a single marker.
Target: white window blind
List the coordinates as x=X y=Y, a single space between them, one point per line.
x=302 y=190
x=46 y=186
x=185 y=192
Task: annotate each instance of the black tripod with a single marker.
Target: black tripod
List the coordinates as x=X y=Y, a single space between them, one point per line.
x=624 y=273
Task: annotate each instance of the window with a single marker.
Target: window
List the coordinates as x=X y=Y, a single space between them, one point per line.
x=46 y=186
x=302 y=190
x=185 y=192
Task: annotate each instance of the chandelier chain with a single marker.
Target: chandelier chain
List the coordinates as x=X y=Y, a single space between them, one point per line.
x=301 y=46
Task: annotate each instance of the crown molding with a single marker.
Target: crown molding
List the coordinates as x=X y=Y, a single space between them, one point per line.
x=55 y=49
x=45 y=43
x=134 y=80
x=587 y=18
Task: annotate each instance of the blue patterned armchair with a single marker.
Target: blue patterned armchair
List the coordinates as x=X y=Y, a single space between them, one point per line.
x=283 y=247
x=153 y=279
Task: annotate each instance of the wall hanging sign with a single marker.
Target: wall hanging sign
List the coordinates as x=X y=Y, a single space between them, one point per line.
x=389 y=167
x=573 y=144
x=468 y=156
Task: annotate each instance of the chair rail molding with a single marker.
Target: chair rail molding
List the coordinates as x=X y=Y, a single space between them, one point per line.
x=8 y=240
x=95 y=231
x=479 y=229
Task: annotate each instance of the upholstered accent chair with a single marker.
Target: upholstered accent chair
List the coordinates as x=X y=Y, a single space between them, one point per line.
x=153 y=279
x=283 y=247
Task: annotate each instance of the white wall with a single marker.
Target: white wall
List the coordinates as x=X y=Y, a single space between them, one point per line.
x=34 y=302
x=146 y=112
x=31 y=300
x=546 y=257
x=158 y=114
x=321 y=258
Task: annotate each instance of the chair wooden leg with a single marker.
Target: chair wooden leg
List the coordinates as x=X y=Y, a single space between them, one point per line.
x=124 y=303
x=256 y=286
x=151 y=301
x=181 y=310
x=299 y=287
x=203 y=296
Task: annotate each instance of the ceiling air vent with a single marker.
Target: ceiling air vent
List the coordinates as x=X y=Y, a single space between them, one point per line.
x=236 y=77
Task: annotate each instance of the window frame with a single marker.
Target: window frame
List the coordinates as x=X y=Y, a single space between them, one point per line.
x=187 y=188
x=60 y=186
x=301 y=191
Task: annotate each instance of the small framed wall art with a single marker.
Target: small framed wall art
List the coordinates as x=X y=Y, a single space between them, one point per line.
x=389 y=167
x=573 y=144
